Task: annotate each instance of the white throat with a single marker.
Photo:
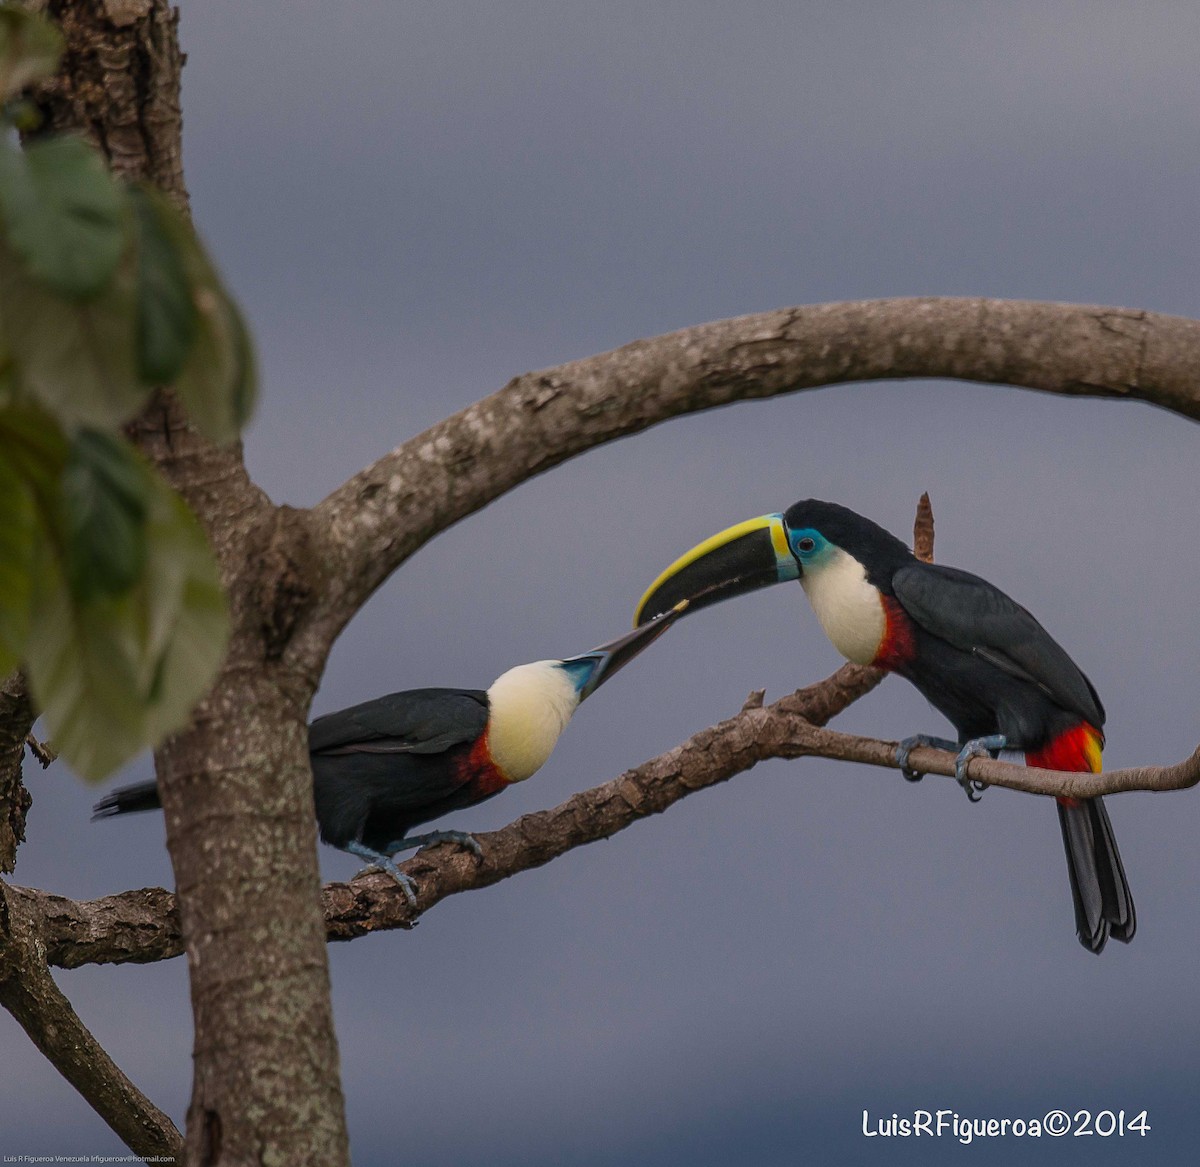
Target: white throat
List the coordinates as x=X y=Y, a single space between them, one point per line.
x=529 y=707
x=849 y=608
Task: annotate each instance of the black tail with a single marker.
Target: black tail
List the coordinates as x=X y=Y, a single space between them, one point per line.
x=1103 y=905
x=143 y=796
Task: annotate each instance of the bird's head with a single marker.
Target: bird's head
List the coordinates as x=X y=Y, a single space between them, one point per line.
x=810 y=540
x=529 y=706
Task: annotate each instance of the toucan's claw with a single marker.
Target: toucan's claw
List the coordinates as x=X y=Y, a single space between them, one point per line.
x=381 y=862
x=979 y=747
x=432 y=838
x=909 y=744
x=462 y=838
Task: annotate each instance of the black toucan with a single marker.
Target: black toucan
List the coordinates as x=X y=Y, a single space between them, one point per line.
x=976 y=655
x=388 y=765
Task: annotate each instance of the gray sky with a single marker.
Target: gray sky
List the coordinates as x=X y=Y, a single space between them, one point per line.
x=414 y=203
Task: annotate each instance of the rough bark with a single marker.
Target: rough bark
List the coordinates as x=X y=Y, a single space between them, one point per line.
x=242 y=837
x=16 y=717
x=119 y=86
x=28 y=992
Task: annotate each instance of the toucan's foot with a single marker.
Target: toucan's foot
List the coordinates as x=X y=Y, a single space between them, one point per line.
x=432 y=838
x=378 y=861
x=978 y=747
x=909 y=744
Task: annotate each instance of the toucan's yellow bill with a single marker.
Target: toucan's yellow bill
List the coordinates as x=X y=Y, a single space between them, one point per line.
x=751 y=555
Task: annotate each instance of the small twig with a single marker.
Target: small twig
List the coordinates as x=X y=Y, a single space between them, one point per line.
x=44 y=752
x=923 y=530
x=755 y=700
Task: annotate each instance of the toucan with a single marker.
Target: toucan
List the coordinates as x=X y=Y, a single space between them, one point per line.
x=977 y=656
x=388 y=765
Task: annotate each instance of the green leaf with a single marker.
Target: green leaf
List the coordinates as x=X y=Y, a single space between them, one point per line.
x=104 y=490
x=74 y=357
x=17 y=527
x=113 y=674
x=167 y=317
x=35 y=447
x=187 y=616
x=218 y=383
x=63 y=214
x=29 y=49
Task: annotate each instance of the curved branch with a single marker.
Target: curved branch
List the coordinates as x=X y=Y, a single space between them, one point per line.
x=29 y=993
x=382 y=515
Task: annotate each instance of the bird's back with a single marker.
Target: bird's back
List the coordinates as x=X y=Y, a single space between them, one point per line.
x=387 y=765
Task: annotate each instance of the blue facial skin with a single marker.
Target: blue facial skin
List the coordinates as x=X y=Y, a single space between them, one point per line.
x=809 y=547
x=581 y=670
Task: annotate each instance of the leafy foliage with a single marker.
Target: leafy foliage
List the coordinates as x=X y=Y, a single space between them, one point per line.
x=109 y=594
x=63 y=214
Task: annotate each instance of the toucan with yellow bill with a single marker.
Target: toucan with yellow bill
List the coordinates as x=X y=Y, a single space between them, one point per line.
x=980 y=658
x=388 y=765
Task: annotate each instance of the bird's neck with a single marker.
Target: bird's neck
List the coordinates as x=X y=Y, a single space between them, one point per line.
x=528 y=708
x=849 y=607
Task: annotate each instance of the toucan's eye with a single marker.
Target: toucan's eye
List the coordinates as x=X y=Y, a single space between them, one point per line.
x=805 y=544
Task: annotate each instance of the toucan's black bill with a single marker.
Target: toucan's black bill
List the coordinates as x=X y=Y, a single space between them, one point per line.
x=595 y=667
x=741 y=559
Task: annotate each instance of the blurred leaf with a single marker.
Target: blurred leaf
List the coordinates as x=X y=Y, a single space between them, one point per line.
x=75 y=357
x=81 y=665
x=167 y=318
x=35 y=447
x=218 y=384
x=63 y=214
x=113 y=674
x=17 y=519
x=8 y=378
x=29 y=49
x=186 y=638
x=105 y=487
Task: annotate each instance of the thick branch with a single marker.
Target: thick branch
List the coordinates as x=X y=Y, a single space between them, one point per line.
x=140 y=926
x=29 y=993
x=710 y=757
x=382 y=515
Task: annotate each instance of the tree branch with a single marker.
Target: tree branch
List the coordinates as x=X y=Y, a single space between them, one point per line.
x=382 y=515
x=29 y=993
x=141 y=926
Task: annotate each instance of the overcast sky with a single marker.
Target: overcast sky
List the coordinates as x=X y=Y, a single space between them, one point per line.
x=415 y=202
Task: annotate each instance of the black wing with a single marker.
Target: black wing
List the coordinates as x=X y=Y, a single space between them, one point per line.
x=416 y=721
x=977 y=617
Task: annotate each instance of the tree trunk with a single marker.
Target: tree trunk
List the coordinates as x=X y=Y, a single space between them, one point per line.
x=240 y=827
x=16 y=717
x=236 y=785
